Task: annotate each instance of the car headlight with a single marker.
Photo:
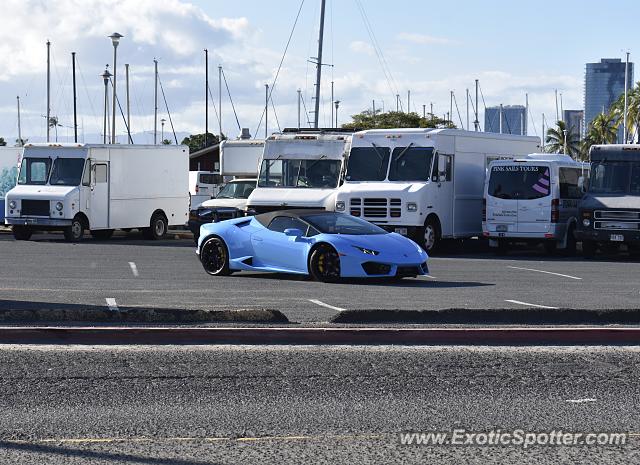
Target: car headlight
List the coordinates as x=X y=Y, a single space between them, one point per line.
x=339 y=206
x=12 y=204
x=367 y=251
x=586 y=222
x=59 y=206
x=412 y=207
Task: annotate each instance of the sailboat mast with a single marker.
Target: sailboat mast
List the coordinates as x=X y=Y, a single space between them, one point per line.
x=48 y=88
x=19 y=127
x=319 y=65
x=75 y=110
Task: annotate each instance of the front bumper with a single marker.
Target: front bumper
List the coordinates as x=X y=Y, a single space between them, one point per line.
x=604 y=235
x=38 y=222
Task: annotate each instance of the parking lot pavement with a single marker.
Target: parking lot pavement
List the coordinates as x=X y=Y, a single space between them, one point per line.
x=275 y=404
x=128 y=271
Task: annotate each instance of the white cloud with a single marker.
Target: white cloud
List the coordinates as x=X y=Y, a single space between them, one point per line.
x=361 y=47
x=423 y=39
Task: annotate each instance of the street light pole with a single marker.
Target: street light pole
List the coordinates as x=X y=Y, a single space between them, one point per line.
x=105 y=76
x=115 y=39
x=337 y=104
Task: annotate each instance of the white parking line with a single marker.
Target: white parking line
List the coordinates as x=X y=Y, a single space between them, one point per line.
x=134 y=268
x=322 y=304
x=111 y=303
x=580 y=401
x=546 y=272
x=530 y=305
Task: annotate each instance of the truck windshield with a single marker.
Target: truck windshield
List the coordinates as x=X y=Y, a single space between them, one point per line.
x=34 y=171
x=368 y=163
x=411 y=164
x=66 y=172
x=615 y=178
x=237 y=190
x=522 y=182
x=318 y=173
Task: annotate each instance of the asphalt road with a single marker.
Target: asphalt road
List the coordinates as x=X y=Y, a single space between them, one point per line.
x=47 y=271
x=237 y=404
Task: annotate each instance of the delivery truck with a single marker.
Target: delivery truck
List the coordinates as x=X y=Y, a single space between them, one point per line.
x=99 y=188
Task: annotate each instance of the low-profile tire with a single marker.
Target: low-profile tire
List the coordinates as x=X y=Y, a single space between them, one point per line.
x=324 y=264
x=550 y=246
x=21 y=233
x=102 y=234
x=429 y=235
x=74 y=232
x=214 y=256
x=589 y=249
x=158 y=227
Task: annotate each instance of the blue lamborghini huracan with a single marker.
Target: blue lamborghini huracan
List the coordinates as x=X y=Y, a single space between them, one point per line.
x=326 y=245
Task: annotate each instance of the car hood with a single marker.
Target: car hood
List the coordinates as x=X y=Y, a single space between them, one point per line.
x=40 y=192
x=386 y=244
x=622 y=202
x=294 y=197
x=224 y=203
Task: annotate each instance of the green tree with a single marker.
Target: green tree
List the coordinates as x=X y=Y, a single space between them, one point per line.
x=196 y=141
x=168 y=142
x=560 y=137
x=21 y=142
x=2 y=141
x=633 y=111
x=395 y=119
x=602 y=130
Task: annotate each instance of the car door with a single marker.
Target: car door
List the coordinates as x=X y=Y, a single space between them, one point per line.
x=273 y=248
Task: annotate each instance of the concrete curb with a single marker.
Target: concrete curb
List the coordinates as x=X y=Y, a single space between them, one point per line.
x=94 y=314
x=498 y=316
x=320 y=336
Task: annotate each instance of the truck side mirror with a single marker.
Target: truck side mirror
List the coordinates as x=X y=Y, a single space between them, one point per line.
x=582 y=184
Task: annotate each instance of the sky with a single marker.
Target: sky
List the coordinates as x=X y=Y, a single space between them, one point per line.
x=428 y=48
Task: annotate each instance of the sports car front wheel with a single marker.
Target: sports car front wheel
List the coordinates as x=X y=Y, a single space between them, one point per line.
x=324 y=264
x=214 y=256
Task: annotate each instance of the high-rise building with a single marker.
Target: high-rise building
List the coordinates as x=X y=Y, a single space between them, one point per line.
x=512 y=119
x=603 y=85
x=574 y=120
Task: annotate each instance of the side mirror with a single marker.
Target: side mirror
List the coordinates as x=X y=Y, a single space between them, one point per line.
x=293 y=232
x=582 y=184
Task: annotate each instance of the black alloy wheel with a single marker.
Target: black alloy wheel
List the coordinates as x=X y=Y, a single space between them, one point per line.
x=324 y=264
x=214 y=257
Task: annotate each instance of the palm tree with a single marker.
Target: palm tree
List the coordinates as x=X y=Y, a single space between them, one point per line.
x=633 y=110
x=563 y=140
x=602 y=130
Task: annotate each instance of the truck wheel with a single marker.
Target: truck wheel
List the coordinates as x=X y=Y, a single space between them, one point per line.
x=589 y=249
x=570 y=249
x=550 y=247
x=430 y=235
x=158 y=227
x=503 y=247
x=102 y=234
x=74 y=232
x=21 y=233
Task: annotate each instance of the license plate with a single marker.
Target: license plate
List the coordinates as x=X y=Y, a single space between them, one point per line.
x=502 y=228
x=402 y=231
x=617 y=237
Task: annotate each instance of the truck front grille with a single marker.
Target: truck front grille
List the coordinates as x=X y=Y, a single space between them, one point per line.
x=375 y=207
x=34 y=208
x=617 y=220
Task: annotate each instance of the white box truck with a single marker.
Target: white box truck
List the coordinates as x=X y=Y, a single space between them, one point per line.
x=300 y=170
x=240 y=158
x=99 y=188
x=9 y=161
x=424 y=183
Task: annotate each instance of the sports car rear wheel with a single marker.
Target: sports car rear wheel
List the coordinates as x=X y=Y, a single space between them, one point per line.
x=214 y=256
x=324 y=264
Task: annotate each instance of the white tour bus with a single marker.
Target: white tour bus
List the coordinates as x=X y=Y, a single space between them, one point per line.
x=300 y=170
x=424 y=183
x=534 y=199
x=79 y=187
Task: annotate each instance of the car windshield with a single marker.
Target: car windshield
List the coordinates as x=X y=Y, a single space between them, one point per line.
x=523 y=182
x=411 y=164
x=320 y=173
x=34 y=171
x=368 y=163
x=237 y=190
x=66 y=171
x=339 y=223
x=615 y=178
